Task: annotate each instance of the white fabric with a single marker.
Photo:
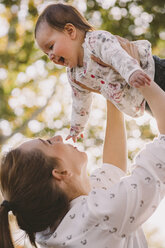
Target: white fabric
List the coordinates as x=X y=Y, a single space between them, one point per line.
x=111 y=215
x=113 y=85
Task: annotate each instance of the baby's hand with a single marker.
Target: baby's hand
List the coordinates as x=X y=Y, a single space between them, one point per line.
x=74 y=138
x=139 y=78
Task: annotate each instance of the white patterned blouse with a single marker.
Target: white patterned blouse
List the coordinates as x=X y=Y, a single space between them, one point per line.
x=112 y=84
x=113 y=212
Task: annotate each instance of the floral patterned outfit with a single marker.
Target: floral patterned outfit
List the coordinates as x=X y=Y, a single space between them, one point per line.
x=112 y=84
x=112 y=213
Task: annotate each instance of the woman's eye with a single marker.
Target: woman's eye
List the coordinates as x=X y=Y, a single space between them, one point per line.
x=49 y=142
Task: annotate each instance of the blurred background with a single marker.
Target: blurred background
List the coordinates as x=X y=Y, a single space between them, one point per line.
x=35 y=97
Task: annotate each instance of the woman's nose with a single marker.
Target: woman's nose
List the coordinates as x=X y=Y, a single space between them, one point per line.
x=57 y=138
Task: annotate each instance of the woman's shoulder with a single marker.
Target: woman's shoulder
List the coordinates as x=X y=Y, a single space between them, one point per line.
x=106 y=176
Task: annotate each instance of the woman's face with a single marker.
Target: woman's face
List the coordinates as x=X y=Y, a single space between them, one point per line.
x=71 y=158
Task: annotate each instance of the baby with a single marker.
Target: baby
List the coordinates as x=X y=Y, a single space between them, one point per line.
x=68 y=39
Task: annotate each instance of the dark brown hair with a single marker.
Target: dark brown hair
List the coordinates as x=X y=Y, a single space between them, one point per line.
x=37 y=202
x=58 y=15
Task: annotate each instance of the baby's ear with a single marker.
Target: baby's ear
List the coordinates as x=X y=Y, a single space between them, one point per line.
x=71 y=30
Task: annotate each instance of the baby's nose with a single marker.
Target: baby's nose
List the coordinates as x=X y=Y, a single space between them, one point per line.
x=51 y=56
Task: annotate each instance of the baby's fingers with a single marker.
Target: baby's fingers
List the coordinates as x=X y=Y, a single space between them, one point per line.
x=135 y=84
x=143 y=79
x=147 y=79
x=74 y=138
x=68 y=137
x=80 y=137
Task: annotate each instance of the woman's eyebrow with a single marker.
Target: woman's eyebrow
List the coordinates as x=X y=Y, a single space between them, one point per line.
x=43 y=141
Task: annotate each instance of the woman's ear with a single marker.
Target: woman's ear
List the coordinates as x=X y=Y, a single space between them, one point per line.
x=60 y=175
x=71 y=30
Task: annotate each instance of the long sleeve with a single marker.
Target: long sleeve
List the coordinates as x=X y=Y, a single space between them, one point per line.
x=139 y=194
x=106 y=176
x=105 y=46
x=81 y=105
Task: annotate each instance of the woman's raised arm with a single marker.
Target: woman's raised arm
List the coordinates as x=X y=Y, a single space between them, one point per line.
x=115 y=148
x=155 y=97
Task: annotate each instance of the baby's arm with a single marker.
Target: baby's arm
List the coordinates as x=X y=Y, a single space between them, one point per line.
x=138 y=78
x=81 y=105
x=109 y=49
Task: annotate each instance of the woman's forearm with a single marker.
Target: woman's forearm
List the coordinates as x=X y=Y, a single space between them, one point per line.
x=115 y=148
x=155 y=97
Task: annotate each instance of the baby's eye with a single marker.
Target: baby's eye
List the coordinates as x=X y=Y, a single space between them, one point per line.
x=51 y=47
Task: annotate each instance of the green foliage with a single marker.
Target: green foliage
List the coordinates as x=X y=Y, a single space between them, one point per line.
x=125 y=24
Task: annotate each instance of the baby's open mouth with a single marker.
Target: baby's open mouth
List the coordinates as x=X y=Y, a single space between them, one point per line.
x=61 y=60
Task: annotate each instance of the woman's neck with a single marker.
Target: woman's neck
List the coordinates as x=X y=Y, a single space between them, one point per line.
x=81 y=186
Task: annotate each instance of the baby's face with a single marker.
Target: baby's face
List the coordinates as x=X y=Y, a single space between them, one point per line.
x=60 y=46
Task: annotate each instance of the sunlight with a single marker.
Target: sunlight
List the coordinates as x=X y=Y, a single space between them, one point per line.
x=106 y=4
x=4 y=27
x=35 y=126
x=3 y=74
x=5 y=127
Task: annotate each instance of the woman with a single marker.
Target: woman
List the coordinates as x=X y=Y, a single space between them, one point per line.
x=45 y=184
